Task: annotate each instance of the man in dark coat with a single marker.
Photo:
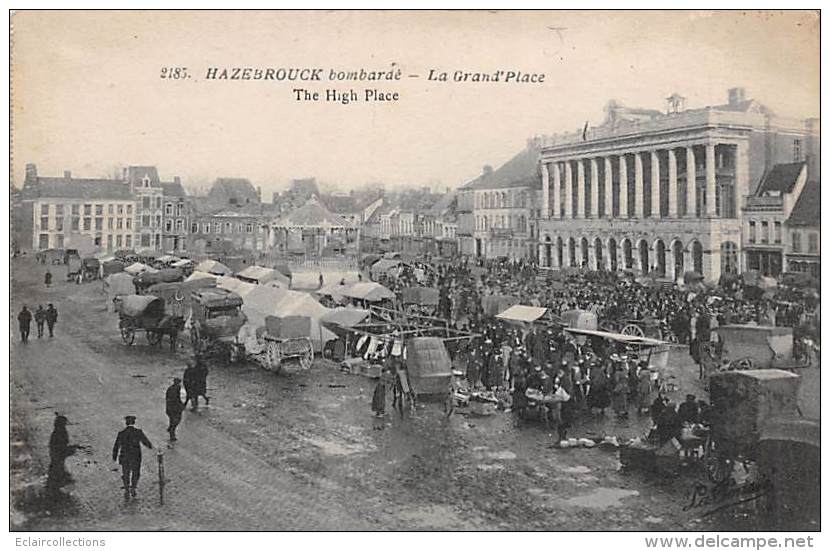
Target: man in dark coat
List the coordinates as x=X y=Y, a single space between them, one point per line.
x=688 y=410
x=195 y=383
x=668 y=424
x=59 y=450
x=173 y=407
x=40 y=319
x=51 y=318
x=127 y=451
x=24 y=320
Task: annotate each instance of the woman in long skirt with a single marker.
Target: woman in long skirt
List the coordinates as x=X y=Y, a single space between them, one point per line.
x=620 y=394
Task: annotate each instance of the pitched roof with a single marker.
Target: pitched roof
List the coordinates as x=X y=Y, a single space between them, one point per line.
x=312 y=214
x=520 y=171
x=233 y=187
x=807 y=210
x=79 y=188
x=444 y=204
x=136 y=175
x=340 y=203
x=173 y=189
x=781 y=178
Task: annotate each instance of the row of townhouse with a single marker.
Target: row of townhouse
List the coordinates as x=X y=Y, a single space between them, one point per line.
x=137 y=211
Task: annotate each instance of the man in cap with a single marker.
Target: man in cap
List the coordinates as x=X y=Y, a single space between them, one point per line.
x=127 y=451
x=24 y=320
x=173 y=407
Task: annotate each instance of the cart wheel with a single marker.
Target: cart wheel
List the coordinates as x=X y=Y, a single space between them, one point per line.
x=274 y=356
x=154 y=337
x=633 y=329
x=307 y=358
x=127 y=333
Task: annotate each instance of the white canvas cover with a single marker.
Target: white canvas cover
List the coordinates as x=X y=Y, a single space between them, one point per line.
x=213 y=267
x=200 y=275
x=139 y=268
x=237 y=286
x=117 y=285
x=261 y=274
x=262 y=301
x=520 y=312
x=370 y=291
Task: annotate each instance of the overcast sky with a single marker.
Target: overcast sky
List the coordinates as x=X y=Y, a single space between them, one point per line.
x=88 y=97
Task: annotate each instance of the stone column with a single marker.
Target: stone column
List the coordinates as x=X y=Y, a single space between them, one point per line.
x=691 y=183
x=569 y=211
x=545 y=192
x=609 y=189
x=638 y=186
x=580 y=189
x=655 y=185
x=556 y=191
x=710 y=180
x=741 y=176
x=594 y=189
x=623 y=170
x=672 y=184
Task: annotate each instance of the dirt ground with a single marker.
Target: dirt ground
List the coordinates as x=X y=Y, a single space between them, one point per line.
x=301 y=451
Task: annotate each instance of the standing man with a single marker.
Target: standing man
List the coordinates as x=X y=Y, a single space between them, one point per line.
x=59 y=450
x=24 y=319
x=173 y=407
x=51 y=318
x=40 y=318
x=127 y=451
x=47 y=278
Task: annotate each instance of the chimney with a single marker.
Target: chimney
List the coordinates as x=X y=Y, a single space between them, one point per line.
x=67 y=175
x=259 y=194
x=177 y=180
x=736 y=96
x=31 y=173
x=487 y=170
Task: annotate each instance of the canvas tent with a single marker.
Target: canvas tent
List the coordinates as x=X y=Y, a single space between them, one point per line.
x=116 y=285
x=213 y=267
x=259 y=275
x=368 y=291
x=139 y=268
x=263 y=301
x=344 y=317
x=239 y=287
x=200 y=275
x=385 y=266
x=334 y=290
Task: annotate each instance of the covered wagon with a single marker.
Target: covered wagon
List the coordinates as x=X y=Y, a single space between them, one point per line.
x=141 y=313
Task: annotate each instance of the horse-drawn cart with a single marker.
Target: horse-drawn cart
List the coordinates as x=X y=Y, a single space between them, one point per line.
x=287 y=339
x=138 y=313
x=743 y=404
x=216 y=317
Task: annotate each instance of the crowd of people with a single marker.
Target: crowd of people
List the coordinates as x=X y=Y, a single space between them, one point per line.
x=542 y=371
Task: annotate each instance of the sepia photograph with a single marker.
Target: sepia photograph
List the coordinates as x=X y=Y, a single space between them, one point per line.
x=415 y=271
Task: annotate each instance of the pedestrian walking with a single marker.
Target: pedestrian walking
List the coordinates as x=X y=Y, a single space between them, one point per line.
x=51 y=318
x=59 y=450
x=40 y=319
x=195 y=383
x=47 y=278
x=24 y=320
x=173 y=407
x=127 y=451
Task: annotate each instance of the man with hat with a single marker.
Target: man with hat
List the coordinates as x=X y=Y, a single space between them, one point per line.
x=173 y=407
x=59 y=450
x=127 y=451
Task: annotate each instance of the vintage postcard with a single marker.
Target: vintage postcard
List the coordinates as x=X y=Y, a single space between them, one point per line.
x=415 y=271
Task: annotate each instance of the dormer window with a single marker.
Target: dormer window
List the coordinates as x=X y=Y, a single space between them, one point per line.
x=146 y=181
